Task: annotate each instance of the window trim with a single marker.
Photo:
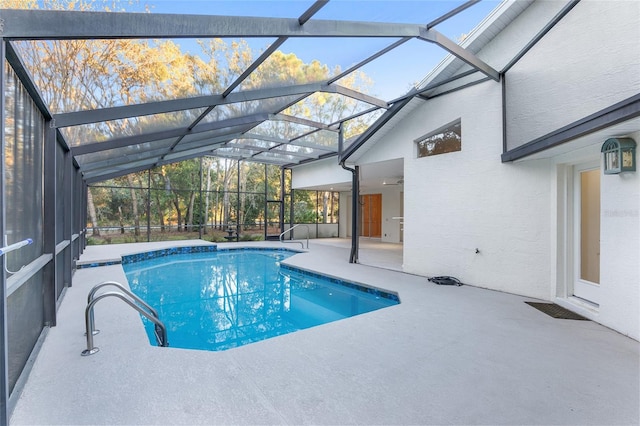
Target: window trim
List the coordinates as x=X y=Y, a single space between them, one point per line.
x=435 y=132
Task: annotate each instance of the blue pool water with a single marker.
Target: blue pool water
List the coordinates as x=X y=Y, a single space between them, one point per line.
x=228 y=298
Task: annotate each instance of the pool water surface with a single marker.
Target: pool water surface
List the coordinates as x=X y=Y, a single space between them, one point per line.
x=228 y=298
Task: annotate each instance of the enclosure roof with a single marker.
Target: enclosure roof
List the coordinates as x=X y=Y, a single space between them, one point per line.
x=129 y=99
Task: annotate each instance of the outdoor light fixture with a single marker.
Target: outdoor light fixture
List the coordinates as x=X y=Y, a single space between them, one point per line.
x=619 y=155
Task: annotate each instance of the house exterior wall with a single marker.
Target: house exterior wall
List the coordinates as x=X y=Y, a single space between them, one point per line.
x=591 y=53
x=518 y=215
x=325 y=172
x=620 y=252
x=506 y=44
x=568 y=75
x=460 y=201
x=391 y=207
x=344 y=215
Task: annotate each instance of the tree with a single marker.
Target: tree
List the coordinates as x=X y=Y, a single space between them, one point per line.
x=87 y=74
x=92 y=214
x=134 y=204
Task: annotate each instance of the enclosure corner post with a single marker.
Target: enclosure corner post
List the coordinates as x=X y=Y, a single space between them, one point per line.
x=4 y=353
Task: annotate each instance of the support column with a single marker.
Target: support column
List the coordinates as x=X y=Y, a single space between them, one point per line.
x=49 y=224
x=238 y=228
x=4 y=352
x=200 y=203
x=82 y=213
x=281 y=210
x=76 y=197
x=503 y=90
x=266 y=201
x=149 y=205
x=67 y=216
x=355 y=238
x=355 y=202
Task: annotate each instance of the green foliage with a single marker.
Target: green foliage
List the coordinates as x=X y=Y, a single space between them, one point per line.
x=176 y=199
x=178 y=185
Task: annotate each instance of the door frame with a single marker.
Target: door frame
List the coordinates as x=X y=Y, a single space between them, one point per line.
x=587 y=292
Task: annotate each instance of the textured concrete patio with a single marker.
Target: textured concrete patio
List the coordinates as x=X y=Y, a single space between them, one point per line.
x=445 y=355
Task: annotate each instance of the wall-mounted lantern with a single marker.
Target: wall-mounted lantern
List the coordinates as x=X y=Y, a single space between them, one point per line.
x=619 y=155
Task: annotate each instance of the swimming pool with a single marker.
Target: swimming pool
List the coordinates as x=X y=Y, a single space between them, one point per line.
x=222 y=299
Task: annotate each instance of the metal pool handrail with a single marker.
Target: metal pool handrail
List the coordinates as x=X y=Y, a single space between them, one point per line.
x=151 y=314
x=97 y=287
x=291 y=229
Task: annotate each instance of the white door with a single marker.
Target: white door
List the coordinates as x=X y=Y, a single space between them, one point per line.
x=586 y=183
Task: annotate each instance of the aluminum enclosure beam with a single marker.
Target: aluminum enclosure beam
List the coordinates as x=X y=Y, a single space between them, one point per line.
x=156 y=154
x=455 y=89
x=25 y=78
x=263 y=57
x=121 y=161
x=369 y=59
x=113 y=175
x=449 y=45
x=50 y=276
x=4 y=350
x=451 y=13
x=298 y=120
x=391 y=112
x=117 y=113
x=315 y=7
x=620 y=112
x=274 y=46
x=70 y=25
x=432 y=86
x=167 y=134
x=264 y=138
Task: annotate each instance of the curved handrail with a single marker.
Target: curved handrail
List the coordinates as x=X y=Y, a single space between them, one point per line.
x=291 y=229
x=11 y=247
x=161 y=330
x=93 y=291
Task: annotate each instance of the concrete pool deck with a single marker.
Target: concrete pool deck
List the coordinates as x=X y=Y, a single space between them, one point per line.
x=445 y=355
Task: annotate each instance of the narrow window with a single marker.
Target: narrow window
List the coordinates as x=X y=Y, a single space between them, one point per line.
x=447 y=138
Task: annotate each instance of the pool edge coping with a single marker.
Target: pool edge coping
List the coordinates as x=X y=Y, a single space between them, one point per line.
x=152 y=254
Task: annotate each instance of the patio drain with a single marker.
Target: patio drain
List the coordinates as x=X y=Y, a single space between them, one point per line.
x=556 y=311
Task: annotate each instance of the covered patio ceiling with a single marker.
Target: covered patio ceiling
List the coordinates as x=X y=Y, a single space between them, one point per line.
x=252 y=118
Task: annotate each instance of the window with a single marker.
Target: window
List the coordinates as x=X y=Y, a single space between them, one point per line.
x=447 y=138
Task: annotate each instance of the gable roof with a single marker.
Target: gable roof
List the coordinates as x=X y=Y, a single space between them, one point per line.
x=453 y=74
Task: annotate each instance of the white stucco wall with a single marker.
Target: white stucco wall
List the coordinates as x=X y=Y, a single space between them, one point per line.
x=568 y=75
x=589 y=61
x=619 y=293
x=344 y=215
x=515 y=214
x=323 y=172
x=457 y=202
x=391 y=207
x=620 y=252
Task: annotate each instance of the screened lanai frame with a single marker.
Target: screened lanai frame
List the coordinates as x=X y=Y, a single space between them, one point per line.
x=69 y=165
x=269 y=104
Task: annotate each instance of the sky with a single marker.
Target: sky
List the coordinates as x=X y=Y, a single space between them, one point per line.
x=393 y=74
